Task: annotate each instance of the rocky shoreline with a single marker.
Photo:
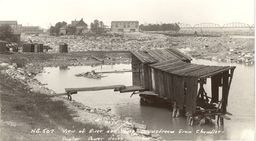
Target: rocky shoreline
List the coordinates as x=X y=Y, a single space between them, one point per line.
x=123 y=127
x=220 y=48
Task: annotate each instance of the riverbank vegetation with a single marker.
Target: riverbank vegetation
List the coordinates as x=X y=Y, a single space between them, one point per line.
x=28 y=115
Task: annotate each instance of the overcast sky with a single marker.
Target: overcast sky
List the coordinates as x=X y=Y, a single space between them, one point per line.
x=45 y=12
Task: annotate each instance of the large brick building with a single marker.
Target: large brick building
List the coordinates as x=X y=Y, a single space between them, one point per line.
x=125 y=26
x=31 y=29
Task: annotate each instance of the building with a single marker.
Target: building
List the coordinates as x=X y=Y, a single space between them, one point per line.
x=31 y=30
x=63 y=30
x=13 y=24
x=167 y=74
x=3 y=47
x=81 y=26
x=125 y=26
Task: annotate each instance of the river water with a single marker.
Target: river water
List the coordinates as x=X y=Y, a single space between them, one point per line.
x=159 y=119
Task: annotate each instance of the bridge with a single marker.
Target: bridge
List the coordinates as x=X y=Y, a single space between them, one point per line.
x=215 y=25
x=236 y=25
x=184 y=25
x=207 y=25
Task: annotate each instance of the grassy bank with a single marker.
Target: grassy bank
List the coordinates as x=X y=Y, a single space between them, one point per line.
x=30 y=116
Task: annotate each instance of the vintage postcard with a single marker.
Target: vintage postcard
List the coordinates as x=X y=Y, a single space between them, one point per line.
x=127 y=70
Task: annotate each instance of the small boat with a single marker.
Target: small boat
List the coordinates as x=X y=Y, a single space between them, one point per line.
x=91 y=74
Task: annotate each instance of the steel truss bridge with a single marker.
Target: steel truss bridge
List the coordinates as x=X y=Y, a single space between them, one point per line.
x=214 y=25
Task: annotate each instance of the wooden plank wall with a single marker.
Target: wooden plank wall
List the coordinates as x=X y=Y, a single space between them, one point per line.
x=161 y=84
x=178 y=90
x=172 y=87
x=142 y=77
x=225 y=90
x=169 y=86
x=166 y=85
x=191 y=94
x=215 y=83
x=156 y=81
x=147 y=77
x=152 y=76
x=135 y=71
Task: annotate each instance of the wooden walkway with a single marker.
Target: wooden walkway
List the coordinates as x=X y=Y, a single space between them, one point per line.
x=97 y=88
x=121 y=88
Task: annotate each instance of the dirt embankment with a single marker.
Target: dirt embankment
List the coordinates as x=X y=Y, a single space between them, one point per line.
x=224 y=48
x=29 y=113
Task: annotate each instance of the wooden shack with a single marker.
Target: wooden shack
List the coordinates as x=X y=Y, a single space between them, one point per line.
x=38 y=48
x=168 y=74
x=28 y=47
x=3 y=47
x=63 y=48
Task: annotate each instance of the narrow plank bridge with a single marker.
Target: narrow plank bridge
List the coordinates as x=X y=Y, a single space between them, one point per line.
x=122 y=88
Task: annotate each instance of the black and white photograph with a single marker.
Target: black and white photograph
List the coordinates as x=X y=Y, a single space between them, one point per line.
x=127 y=70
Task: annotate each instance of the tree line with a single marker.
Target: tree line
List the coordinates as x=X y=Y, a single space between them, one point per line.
x=6 y=33
x=96 y=27
x=160 y=27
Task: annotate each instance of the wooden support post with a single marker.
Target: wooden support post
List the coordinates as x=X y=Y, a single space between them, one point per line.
x=221 y=121
x=174 y=109
x=69 y=96
x=225 y=91
x=178 y=112
x=215 y=88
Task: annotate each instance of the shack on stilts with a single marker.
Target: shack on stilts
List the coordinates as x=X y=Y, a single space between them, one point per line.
x=168 y=74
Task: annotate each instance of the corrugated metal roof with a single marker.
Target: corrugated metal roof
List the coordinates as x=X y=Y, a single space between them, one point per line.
x=184 y=69
x=160 y=55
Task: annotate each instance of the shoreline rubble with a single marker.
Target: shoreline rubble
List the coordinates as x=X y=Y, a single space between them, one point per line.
x=83 y=113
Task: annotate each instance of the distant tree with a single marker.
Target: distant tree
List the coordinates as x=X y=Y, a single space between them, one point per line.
x=55 y=30
x=97 y=27
x=158 y=27
x=52 y=30
x=6 y=32
x=177 y=28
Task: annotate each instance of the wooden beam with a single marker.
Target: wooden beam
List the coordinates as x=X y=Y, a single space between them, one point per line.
x=132 y=89
x=216 y=72
x=207 y=110
x=115 y=71
x=225 y=117
x=148 y=93
x=60 y=94
x=97 y=88
x=211 y=114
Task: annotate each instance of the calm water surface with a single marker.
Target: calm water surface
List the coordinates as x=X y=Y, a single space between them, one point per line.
x=240 y=104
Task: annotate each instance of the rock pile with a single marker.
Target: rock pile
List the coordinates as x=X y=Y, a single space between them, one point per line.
x=25 y=77
x=117 y=124
x=129 y=41
x=223 y=48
